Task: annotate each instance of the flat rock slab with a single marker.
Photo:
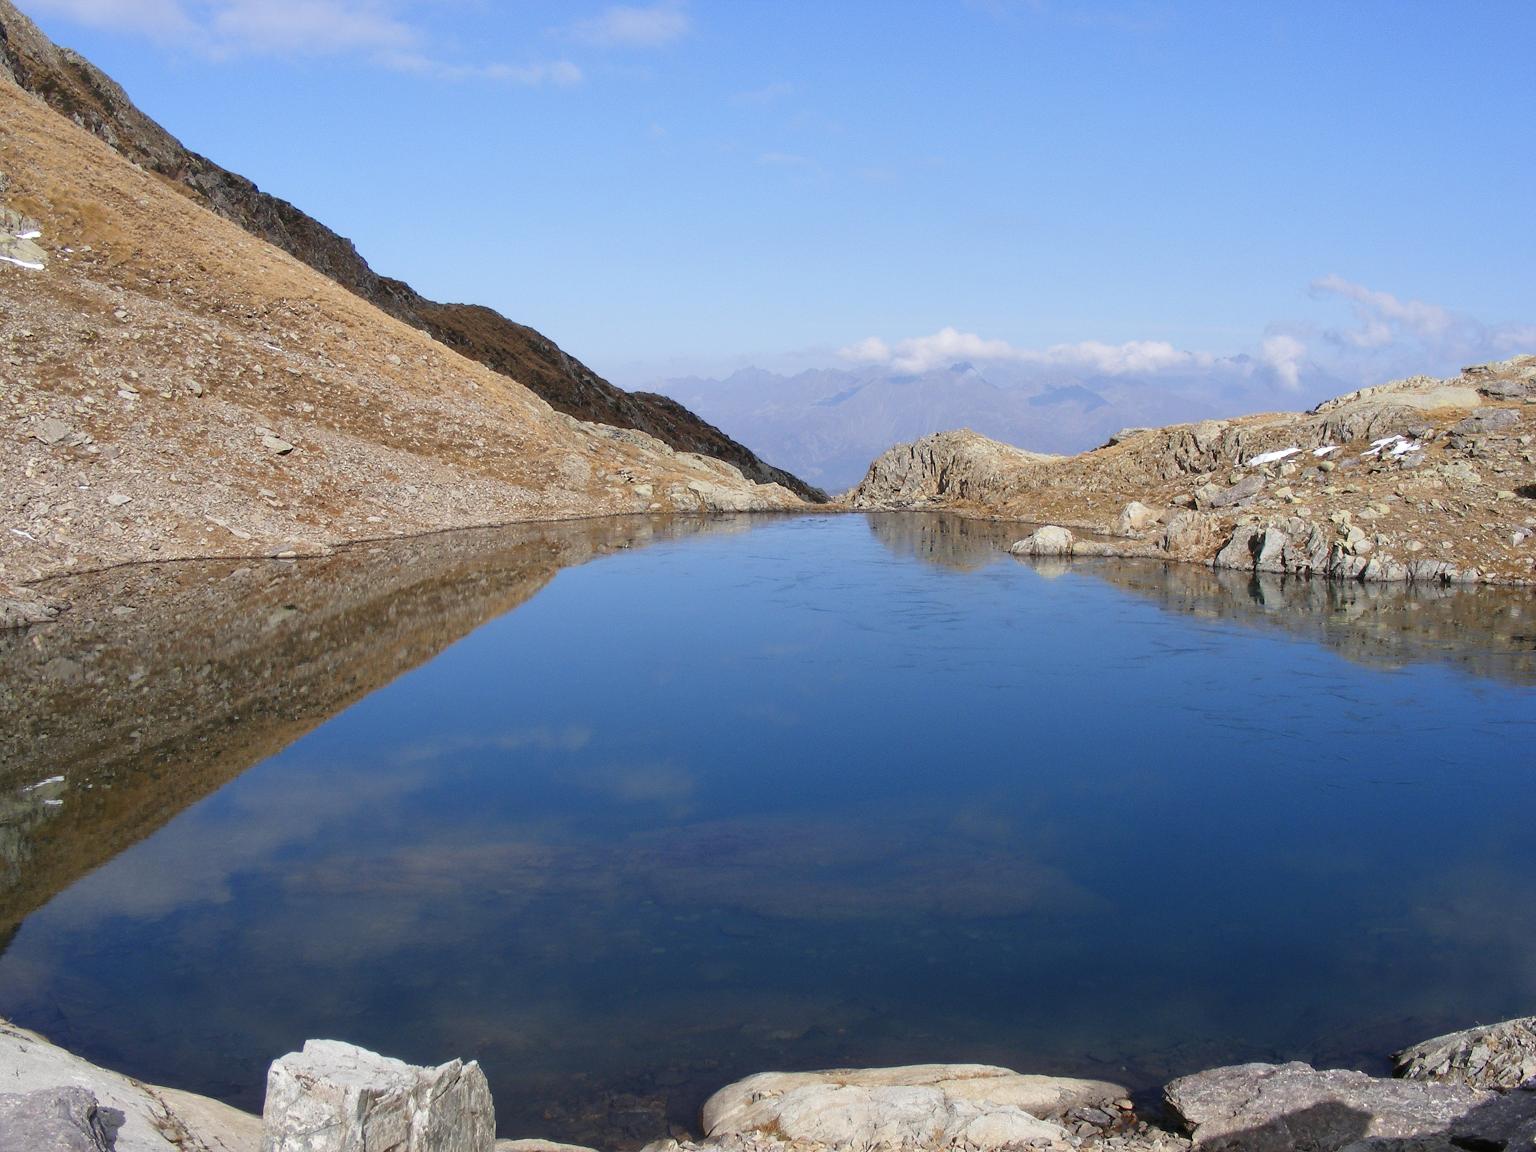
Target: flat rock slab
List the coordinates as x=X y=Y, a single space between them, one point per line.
x=336 y=1097
x=1296 y=1108
x=917 y=1107
x=153 y=1119
x=1495 y=1056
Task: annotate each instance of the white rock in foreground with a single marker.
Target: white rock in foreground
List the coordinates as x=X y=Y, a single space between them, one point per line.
x=335 y=1097
x=154 y=1119
x=926 y=1106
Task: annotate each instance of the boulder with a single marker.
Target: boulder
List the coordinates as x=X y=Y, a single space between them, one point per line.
x=56 y=1120
x=928 y=1106
x=1136 y=517
x=1245 y=491
x=1189 y=534
x=335 y=1097
x=1050 y=540
x=1501 y=1056
x=1486 y=420
x=1296 y=1108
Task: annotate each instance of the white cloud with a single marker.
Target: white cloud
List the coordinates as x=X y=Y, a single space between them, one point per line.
x=636 y=26
x=1414 y=335
x=1382 y=314
x=924 y=353
x=309 y=27
x=1284 y=356
x=160 y=19
x=380 y=31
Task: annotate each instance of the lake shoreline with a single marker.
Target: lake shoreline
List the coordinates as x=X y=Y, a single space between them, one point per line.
x=1450 y=1091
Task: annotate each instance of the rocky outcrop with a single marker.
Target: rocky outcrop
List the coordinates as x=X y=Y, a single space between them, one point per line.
x=75 y=88
x=1499 y=1056
x=1429 y=481
x=944 y=467
x=930 y=1106
x=336 y=1097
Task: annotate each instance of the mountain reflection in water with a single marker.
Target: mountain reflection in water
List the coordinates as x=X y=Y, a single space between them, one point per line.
x=753 y=799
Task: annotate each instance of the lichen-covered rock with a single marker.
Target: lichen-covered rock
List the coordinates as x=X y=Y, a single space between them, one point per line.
x=56 y=1120
x=335 y=1097
x=1501 y=1056
x=929 y=1106
x=1296 y=1108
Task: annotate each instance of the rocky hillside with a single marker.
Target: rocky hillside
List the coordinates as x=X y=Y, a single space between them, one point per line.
x=77 y=89
x=171 y=386
x=1418 y=480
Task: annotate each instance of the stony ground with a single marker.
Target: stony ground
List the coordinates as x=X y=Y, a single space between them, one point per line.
x=1421 y=479
x=172 y=387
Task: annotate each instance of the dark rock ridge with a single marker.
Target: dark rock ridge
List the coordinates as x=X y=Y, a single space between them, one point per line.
x=77 y=89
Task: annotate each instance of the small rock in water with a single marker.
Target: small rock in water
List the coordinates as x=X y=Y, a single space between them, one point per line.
x=1051 y=540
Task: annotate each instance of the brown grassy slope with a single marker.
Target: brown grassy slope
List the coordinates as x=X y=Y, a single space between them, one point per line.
x=74 y=87
x=168 y=345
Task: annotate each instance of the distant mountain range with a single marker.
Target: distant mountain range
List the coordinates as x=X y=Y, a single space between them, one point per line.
x=826 y=425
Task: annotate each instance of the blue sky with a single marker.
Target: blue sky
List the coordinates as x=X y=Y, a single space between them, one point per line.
x=692 y=184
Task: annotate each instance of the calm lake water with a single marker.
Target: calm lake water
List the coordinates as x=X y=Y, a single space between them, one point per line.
x=785 y=793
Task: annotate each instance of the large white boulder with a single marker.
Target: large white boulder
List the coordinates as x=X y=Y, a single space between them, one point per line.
x=925 y=1106
x=335 y=1097
x=1050 y=540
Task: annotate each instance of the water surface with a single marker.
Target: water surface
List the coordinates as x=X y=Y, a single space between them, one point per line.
x=782 y=793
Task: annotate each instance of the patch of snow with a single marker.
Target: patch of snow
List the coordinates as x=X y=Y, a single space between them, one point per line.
x=32 y=235
x=1400 y=446
x=54 y=803
x=28 y=264
x=1272 y=457
x=43 y=783
x=23 y=535
x=1325 y=450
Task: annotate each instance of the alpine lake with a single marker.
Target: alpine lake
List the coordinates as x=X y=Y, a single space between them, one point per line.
x=629 y=809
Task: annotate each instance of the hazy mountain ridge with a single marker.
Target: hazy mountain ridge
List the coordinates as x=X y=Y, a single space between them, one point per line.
x=827 y=424
x=77 y=89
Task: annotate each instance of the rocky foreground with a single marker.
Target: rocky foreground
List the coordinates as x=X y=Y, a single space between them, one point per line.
x=1472 y=1090
x=1423 y=480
